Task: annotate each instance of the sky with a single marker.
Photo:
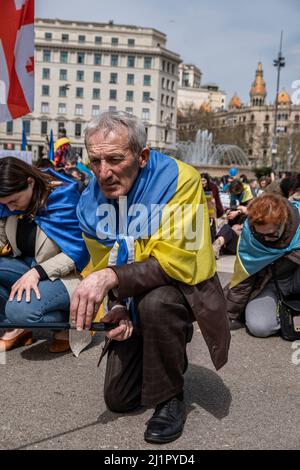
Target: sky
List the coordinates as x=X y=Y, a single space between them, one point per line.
x=224 y=38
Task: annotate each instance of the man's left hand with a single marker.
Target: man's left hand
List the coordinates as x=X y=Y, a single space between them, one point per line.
x=89 y=295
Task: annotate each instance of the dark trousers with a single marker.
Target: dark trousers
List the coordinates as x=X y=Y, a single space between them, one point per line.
x=231 y=239
x=148 y=368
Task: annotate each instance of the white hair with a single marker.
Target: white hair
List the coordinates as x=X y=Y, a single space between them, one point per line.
x=110 y=121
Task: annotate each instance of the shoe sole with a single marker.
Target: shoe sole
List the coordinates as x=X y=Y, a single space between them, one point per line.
x=162 y=440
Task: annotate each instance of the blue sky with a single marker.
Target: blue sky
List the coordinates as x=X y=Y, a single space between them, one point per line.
x=224 y=38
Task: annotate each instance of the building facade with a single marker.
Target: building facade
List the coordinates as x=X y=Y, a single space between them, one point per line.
x=83 y=68
x=256 y=123
x=192 y=94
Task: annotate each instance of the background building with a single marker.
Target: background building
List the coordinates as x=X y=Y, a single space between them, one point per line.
x=252 y=126
x=192 y=94
x=82 y=68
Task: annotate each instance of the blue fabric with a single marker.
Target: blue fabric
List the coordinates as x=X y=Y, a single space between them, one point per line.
x=255 y=256
x=155 y=184
x=59 y=220
x=84 y=169
x=24 y=139
x=51 y=147
x=122 y=257
x=53 y=306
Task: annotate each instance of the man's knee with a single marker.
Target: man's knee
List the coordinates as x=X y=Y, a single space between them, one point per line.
x=155 y=302
x=119 y=402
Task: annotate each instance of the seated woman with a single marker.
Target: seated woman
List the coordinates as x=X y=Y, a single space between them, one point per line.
x=42 y=250
x=227 y=238
x=271 y=235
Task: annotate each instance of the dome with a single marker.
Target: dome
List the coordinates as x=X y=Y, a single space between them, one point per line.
x=235 y=102
x=259 y=85
x=284 y=98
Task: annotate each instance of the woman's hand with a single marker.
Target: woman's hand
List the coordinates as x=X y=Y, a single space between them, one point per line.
x=119 y=314
x=28 y=281
x=233 y=214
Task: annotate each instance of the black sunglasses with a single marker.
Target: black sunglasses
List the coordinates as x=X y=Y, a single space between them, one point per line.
x=273 y=235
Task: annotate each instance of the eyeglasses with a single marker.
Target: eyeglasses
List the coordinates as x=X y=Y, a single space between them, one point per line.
x=272 y=236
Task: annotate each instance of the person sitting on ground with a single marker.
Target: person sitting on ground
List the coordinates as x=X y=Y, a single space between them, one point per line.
x=227 y=237
x=263 y=183
x=43 y=247
x=215 y=208
x=271 y=234
x=157 y=279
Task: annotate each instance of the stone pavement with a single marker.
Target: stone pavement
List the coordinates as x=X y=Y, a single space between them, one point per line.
x=55 y=402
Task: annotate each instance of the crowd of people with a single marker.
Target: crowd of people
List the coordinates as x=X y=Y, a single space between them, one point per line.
x=71 y=252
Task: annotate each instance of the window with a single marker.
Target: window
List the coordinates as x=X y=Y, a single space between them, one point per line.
x=129 y=110
x=97 y=59
x=173 y=88
x=97 y=77
x=163 y=82
x=130 y=79
x=79 y=92
x=168 y=67
x=62 y=108
x=64 y=38
x=46 y=56
x=147 y=62
x=131 y=42
x=114 y=59
x=46 y=74
x=168 y=84
x=95 y=110
x=78 y=109
x=48 y=36
x=112 y=94
x=80 y=75
x=297 y=118
x=98 y=39
x=45 y=90
x=162 y=99
x=129 y=95
x=161 y=115
x=61 y=125
x=147 y=80
x=173 y=69
x=146 y=114
x=26 y=126
x=44 y=108
x=63 y=57
x=63 y=74
x=113 y=78
x=114 y=41
x=77 y=129
x=130 y=61
x=163 y=65
x=267 y=117
x=96 y=93
x=62 y=92
x=81 y=38
x=146 y=96
x=172 y=101
x=9 y=127
x=44 y=127
x=112 y=108
x=80 y=57
x=167 y=100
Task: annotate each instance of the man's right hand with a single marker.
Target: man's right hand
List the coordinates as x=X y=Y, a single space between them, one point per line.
x=120 y=315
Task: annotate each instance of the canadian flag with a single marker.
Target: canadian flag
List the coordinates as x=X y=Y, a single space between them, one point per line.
x=16 y=58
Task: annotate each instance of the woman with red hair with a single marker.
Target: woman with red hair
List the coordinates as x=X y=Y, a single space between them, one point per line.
x=271 y=236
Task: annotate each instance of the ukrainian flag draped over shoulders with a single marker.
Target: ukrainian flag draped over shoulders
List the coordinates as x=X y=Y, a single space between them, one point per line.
x=253 y=256
x=166 y=215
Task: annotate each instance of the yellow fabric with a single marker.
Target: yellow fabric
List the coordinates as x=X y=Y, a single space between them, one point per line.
x=247 y=196
x=61 y=142
x=185 y=263
x=239 y=273
x=6 y=250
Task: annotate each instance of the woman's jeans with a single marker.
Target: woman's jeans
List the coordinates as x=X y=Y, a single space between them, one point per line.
x=261 y=313
x=52 y=307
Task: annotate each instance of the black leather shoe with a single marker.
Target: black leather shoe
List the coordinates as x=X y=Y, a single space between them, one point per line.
x=167 y=422
x=235 y=325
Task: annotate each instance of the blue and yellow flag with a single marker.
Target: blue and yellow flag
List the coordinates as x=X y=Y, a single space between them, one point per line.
x=165 y=214
x=253 y=256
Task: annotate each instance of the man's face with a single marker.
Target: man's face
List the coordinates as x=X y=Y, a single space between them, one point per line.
x=113 y=164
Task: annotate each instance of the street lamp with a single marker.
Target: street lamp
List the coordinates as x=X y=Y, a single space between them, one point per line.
x=279 y=63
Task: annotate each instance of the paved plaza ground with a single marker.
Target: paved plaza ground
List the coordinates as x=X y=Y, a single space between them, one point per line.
x=55 y=401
